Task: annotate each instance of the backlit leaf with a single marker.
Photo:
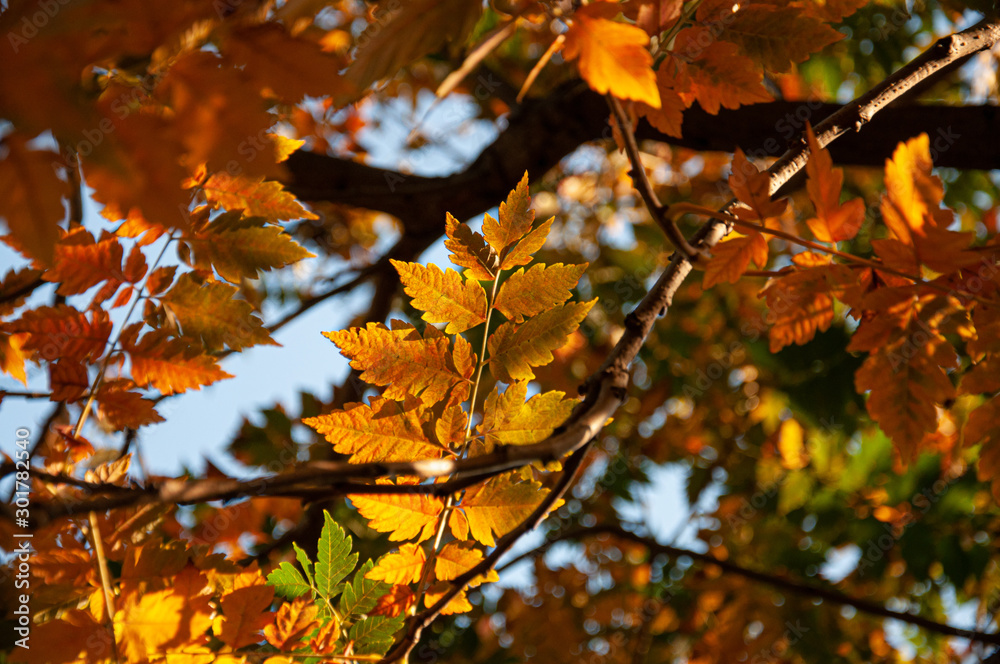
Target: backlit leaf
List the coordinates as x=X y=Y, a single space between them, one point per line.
x=613 y=56
x=63 y=332
x=731 y=258
x=526 y=294
x=362 y=593
x=334 y=559
x=31 y=196
x=495 y=507
x=444 y=297
x=246 y=252
x=515 y=349
x=403 y=516
x=716 y=76
x=516 y=218
x=145 y=623
x=912 y=193
x=834 y=222
x=470 y=250
x=776 y=36
x=244 y=614
x=171 y=365
x=255 y=196
x=210 y=312
x=292 y=623
x=508 y=420
x=404 y=566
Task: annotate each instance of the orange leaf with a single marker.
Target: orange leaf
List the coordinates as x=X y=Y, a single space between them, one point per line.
x=293 y=622
x=470 y=250
x=31 y=197
x=515 y=349
x=243 y=253
x=498 y=505
x=458 y=604
x=752 y=187
x=669 y=117
x=244 y=614
x=542 y=287
x=777 y=36
x=717 y=76
x=171 y=365
x=730 y=259
x=834 y=222
x=401 y=360
x=402 y=567
x=394 y=603
x=444 y=297
x=63 y=332
x=913 y=194
x=613 y=56
x=904 y=396
x=122 y=409
x=68 y=380
x=12 y=356
x=254 y=195
x=403 y=516
x=983 y=428
x=516 y=218
x=384 y=431
x=523 y=252
x=81 y=263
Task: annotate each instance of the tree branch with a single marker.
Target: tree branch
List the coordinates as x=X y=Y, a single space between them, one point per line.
x=775 y=581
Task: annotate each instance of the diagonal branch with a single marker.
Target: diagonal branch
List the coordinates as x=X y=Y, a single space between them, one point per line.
x=785 y=583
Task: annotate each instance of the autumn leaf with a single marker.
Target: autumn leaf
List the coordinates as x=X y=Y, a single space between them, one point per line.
x=210 y=313
x=470 y=250
x=292 y=623
x=669 y=117
x=791 y=444
x=777 y=36
x=913 y=194
x=80 y=263
x=731 y=258
x=384 y=431
x=406 y=31
x=515 y=349
x=244 y=253
x=31 y=196
x=404 y=566
x=456 y=558
x=146 y=623
x=904 y=393
x=63 y=332
x=524 y=251
x=458 y=604
x=752 y=187
x=508 y=420
x=254 y=195
x=401 y=360
x=982 y=428
x=516 y=219
x=498 y=505
x=68 y=381
x=802 y=302
x=833 y=222
x=12 y=357
x=403 y=516
x=244 y=614
x=525 y=294
x=444 y=297
x=716 y=76
x=613 y=56
x=171 y=365
x=122 y=408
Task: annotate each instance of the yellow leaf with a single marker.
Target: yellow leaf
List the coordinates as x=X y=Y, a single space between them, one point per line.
x=457 y=558
x=31 y=197
x=497 y=506
x=524 y=250
x=613 y=56
x=542 y=287
x=470 y=250
x=508 y=420
x=210 y=312
x=791 y=445
x=402 y=567
x=444 y=297
x=403 y=516
x=385 y=431
x=515 y=349
x=244 y=253
x=146 y=623
x=516 y=218
x=12 y=357
x=256 y=196
x=912 y=193
x=401 y=360
x=458 y=604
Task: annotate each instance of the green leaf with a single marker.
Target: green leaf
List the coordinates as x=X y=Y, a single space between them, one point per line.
x=334 y=559
x=374 y=636
x=303 y=559
x=361 y=594
x=287 y=582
